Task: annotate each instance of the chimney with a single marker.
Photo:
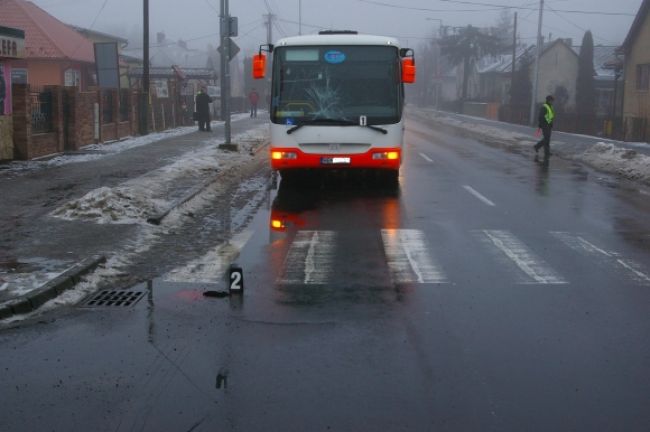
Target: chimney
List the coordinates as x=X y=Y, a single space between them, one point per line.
x=160 y=37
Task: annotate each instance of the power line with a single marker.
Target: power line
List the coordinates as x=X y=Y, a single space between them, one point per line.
x=213 y=7
x=421 y=9
x=101 y=9
x=98 y=14
x=490 y=5
x=577 y=26
x=304 y=24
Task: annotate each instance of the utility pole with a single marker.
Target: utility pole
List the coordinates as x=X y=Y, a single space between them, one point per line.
x=225 y=69
x=533 y=101
x=226 y=59
x=144 y=94
x=299 y=17
x=514 y=59
x=269 y=28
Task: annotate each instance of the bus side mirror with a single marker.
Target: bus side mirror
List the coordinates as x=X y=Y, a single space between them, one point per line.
x=408 y=70
x=259 y=66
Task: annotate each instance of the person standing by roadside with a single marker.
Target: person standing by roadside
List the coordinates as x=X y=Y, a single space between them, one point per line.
x=545 y=124
x=253 y=99
x=202 y=102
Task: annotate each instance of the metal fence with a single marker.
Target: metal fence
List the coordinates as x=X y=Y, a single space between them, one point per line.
x=108 y=115
x=42 y=109
x=125 y=105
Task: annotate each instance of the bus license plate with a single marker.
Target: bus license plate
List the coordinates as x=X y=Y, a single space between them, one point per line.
x=335 y=160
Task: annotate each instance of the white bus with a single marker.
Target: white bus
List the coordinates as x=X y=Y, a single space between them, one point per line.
x=337 y=101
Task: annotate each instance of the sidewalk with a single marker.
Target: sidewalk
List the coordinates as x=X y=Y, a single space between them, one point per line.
x=77 y=207
x=624 y=159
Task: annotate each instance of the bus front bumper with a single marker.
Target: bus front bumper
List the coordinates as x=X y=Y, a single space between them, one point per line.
x=378 y=158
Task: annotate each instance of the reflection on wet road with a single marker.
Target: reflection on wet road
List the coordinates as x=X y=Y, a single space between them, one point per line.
x=486 y=292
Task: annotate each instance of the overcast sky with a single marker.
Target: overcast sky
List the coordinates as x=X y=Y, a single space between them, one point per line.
x=197 y=20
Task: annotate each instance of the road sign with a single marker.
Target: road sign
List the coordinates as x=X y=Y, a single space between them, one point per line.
x=234 y=49
x=233 y=27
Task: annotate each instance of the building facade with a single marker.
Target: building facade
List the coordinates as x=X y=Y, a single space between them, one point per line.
x=12 y=49
x=55 y=54
x=636 y=100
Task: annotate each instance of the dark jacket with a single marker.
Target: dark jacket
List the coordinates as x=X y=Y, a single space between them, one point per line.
x=203 y=103
x=541 y=119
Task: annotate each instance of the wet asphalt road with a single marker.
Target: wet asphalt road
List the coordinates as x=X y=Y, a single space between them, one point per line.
x=487 y=292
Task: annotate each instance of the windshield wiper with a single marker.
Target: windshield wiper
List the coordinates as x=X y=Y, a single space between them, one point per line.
x=334 y=122
x=294 y=128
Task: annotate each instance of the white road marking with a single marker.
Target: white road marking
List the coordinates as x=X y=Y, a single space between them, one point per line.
x=408 y=258
x=534 y=267
x=644 y=192
x=211 y=267
x=630 y=265
x=426 y=158
x=580 y=244
x=310 y=258
x=478 y=195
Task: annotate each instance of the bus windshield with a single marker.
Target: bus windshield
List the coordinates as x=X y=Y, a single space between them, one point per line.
x=336 y=84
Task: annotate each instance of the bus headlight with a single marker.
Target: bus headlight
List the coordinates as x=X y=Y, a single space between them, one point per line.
x=283 y=155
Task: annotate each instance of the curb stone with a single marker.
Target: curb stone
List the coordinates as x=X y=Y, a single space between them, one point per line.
x=157 y=219
x=51 y=289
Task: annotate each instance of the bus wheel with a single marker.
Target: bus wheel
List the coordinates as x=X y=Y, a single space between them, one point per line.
x=391 y=177
x=288 y=176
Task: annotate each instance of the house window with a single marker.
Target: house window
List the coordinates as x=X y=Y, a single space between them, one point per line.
x=72 y=78
x=643 y=77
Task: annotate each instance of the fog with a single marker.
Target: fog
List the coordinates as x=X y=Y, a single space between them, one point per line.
x=412 y=21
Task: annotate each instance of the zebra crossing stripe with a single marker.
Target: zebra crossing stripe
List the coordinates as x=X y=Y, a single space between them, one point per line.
x=580 y=244
x=408 y=258
x=310 y=259
x=534 y=267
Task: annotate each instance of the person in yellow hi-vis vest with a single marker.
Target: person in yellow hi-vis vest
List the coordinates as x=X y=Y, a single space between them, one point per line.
x=545 y=124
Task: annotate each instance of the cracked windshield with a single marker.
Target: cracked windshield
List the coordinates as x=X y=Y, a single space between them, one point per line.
x=350 y=215
x=335 y=82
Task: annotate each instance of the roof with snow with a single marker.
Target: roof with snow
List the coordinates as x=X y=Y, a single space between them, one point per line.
x=502 y=63
x=90 y=33
x=45 y=36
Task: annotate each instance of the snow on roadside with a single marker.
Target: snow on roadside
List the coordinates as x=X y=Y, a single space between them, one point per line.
x=604 y=156
x=493 y=132
x=147 y=237
x=136 y=199
x=627 y=163
x=128 y=203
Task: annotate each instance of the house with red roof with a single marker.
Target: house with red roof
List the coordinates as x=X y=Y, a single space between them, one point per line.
x=55 y=54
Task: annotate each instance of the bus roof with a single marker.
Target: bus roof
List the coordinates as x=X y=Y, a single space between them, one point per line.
x=337 y=39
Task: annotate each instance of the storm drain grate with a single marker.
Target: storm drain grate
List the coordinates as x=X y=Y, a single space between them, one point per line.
x=113 y=298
